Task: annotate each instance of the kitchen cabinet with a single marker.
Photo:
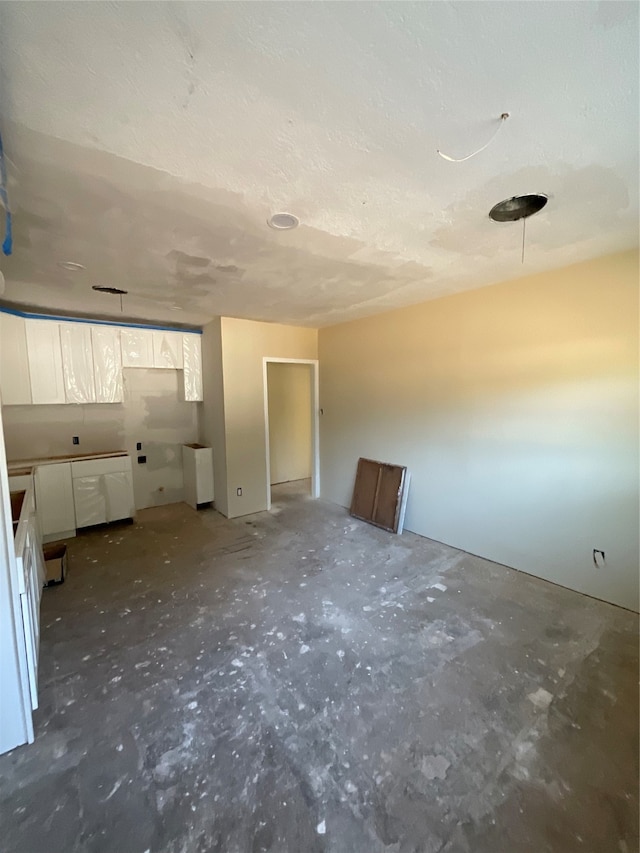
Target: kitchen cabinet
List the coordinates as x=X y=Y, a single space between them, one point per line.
x=15 y=382
x=102 y=490
x=192 y=366
x=137 y=347
x=45 y=361
x=77 y=363
x=54 y=501
x=197 y=462
x=107 y=364
x=167 y=349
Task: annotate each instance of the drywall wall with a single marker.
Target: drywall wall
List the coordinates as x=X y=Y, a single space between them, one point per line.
x=152 y=413
x=245 y=345
x=289 y=421
x=212 y=431
x=515 y=408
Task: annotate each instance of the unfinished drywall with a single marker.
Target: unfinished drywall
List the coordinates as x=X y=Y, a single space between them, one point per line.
x=245 y=345
x=289 y=421
x=515 y=408
x=152 y=413
x=212 y=431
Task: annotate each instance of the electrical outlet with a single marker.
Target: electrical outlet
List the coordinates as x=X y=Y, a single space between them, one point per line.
x=76 y=439
x=138 y=445
x=239 y=491
x=142 y=460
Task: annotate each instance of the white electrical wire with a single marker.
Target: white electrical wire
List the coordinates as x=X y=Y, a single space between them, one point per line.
x=503 y=118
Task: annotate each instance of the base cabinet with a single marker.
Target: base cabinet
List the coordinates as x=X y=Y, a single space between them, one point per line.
x=102 y=490
x=54 y=500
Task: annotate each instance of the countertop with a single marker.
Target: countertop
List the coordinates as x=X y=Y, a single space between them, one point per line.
x=21 y=467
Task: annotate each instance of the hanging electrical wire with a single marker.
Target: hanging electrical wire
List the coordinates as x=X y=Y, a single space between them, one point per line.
x=444 y=156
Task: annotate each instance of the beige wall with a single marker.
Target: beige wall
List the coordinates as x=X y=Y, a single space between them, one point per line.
x=244 y=346
x=515 y=408
x=152 y=412
x=289 y=421
x=212 y=429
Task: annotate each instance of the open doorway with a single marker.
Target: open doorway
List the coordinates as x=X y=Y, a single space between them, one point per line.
x=291 y=428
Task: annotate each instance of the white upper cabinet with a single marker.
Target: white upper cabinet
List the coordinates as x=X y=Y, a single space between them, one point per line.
x=137 y=347
x=167 y=349
x=192 y=360
x=77 y=363
x=107 y=364
x=15 y=383
x=45 y=361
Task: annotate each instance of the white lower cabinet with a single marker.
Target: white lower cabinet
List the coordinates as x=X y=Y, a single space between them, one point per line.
x=54 y=501
x=102 y=490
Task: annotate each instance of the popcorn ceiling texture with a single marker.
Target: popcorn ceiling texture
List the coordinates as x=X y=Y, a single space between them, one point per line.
x=151 y=142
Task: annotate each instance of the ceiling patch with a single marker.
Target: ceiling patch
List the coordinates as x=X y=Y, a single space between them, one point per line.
x=444 y=156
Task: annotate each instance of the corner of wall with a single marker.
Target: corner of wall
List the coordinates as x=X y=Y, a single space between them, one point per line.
x=212 y=424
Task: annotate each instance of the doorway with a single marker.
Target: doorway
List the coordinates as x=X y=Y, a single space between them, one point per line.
x=291 y=428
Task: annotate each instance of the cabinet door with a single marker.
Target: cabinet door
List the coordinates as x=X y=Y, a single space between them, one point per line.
x=137 y=347
x=90 y=500
x=107 y=364
x=45 y=361
x=167 y=349
x=77 y=363
x=54 y=499
x=15 y=384
x=119 y=492
x=192 y=356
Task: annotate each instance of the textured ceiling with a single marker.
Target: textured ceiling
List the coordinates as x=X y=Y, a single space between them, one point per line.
x=151 y=141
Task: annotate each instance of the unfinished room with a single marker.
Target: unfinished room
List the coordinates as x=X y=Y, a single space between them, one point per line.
x=319 y=427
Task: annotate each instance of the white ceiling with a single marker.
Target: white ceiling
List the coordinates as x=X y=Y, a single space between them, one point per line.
x=151 y=141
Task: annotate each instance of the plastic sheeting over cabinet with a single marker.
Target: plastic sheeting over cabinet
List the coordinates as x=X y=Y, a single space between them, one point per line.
x=77 y=363
x=107 y=364
x=192 y=359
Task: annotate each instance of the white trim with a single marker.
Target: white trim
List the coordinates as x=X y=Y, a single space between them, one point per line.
x=315 y=420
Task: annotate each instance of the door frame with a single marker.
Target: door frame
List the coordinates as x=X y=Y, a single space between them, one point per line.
x=315 y=420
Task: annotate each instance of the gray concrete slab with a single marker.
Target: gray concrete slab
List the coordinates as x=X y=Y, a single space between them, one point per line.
x=298 y=681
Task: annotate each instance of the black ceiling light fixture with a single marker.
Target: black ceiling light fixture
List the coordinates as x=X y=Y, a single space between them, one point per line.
x=518 y=207
x=116 y=291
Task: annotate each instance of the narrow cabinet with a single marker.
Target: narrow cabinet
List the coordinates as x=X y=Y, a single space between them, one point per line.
x=77 y=363
x=107 y=364
x=15 y=383
x=45 y=361
x=192 y=361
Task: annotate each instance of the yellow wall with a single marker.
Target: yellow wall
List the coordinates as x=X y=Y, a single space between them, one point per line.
x=245 y=344
x=289 y=421
x=515 y=408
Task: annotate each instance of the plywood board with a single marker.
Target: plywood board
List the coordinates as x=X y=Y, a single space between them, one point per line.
x=379 y=494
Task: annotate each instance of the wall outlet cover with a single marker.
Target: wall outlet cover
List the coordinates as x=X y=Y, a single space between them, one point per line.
x=142 y=460
x=138 y=445
x=239 y=492
x=76 y=439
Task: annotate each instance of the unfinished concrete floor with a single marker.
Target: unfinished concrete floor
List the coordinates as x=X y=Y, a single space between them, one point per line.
x=299 y=681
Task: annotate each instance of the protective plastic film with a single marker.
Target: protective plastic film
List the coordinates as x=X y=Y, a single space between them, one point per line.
x=107 y=364
x=77 y=364
x=90 y=500
x=119 y=495
x=191 y=349
x=167 y=349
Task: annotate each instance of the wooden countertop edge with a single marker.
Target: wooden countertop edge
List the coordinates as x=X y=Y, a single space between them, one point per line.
x=24 y=467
